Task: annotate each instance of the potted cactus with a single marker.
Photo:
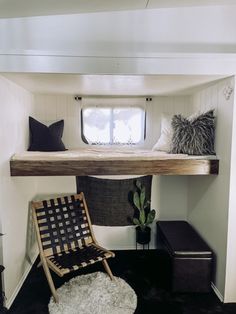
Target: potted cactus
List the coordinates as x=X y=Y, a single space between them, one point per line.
x=143 y=216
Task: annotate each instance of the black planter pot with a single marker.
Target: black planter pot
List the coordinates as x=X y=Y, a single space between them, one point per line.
x=143 y=236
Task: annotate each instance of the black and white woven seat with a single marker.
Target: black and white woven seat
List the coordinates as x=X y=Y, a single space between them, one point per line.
x=65 y=237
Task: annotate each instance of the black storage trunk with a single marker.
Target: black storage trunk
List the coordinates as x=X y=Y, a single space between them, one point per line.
x=191 y=257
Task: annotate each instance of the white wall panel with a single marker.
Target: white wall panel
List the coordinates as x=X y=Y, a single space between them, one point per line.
x=164 y=104
x=18 y=245
x=230 y=276
x=49 y=108
x=208 y=201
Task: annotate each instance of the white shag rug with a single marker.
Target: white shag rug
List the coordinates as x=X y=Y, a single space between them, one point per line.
x=94 y=293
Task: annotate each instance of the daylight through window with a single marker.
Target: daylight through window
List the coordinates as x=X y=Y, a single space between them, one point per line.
x=113 y=125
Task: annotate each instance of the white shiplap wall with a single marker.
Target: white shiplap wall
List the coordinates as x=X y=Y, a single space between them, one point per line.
x=49 y=108
x=164 y=104
x=208 y=197
x=230 y=276
x=17 y=244
x=53 y=107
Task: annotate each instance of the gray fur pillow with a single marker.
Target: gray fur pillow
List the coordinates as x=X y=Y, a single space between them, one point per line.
x=194 y=136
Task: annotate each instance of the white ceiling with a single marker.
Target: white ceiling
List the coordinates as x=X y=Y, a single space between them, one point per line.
x=113 y=85
x=22 y=8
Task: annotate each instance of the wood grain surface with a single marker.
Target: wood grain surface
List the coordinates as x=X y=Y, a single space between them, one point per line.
x=114 y=167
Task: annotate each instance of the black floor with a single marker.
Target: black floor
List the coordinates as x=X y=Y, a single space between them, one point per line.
x=148 y=274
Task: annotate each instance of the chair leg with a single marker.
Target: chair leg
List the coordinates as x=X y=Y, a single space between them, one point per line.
x=39 y=264
x=108 y=270
x=50 y=281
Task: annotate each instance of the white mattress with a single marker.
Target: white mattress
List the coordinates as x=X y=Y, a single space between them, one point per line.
x=104 y=153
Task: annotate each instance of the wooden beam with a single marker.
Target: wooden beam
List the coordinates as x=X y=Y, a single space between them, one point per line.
x=114 y=167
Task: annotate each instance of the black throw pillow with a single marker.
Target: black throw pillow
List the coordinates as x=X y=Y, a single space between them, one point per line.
x=46 y=139
x=194 y=136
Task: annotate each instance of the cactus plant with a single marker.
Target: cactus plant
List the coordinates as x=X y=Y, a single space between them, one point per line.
x=145 y=215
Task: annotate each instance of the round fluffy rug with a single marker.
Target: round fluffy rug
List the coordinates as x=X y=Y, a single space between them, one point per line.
x=94 y=294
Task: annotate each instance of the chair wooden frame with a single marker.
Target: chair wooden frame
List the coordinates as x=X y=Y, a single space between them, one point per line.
x=68 y=219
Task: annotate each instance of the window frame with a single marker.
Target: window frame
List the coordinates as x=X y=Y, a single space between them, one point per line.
x=113 y=107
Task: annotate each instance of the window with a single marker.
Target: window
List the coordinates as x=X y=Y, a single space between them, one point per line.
x=113 y=125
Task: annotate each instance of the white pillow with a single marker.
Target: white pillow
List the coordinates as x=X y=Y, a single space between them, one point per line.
x=165 y=140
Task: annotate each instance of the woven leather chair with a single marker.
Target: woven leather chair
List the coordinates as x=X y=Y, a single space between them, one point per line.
x=65 y=237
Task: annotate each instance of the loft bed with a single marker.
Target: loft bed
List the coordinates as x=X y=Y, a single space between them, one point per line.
x=107 y=161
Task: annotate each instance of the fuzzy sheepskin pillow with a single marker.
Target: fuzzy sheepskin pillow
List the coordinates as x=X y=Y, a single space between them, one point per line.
x=195 y=136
